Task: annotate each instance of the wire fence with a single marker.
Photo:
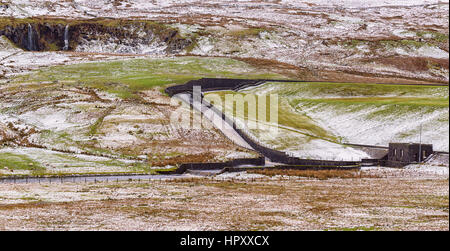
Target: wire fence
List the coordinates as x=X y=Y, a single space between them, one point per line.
x=163 y=179
x=87 y=179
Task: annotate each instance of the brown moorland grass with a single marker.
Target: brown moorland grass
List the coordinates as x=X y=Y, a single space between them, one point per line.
x=406 y=202
x=316 y=174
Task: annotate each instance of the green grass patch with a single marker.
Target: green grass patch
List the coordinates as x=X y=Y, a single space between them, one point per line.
x=375 y=101
x=125 y=78
x=354 y=43
x=327 y=89
x=419 y=102
x=137 y=167
x=436 y=36
x=250 y=32
x=286 y=116
x=94 y=127
x=428 y=39
x=19 y=162
x=403 y=43
x=349 y=98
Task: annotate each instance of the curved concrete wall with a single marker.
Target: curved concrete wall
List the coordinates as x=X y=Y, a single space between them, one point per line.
x=212 y=84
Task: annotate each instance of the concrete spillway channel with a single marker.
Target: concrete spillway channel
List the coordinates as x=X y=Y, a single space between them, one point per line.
x=188 y=94
x=272 y=158
x=215 y=116
x=282 y=160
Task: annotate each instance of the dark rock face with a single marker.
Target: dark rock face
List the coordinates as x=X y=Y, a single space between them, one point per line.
x=43 y=38
x=50 y=36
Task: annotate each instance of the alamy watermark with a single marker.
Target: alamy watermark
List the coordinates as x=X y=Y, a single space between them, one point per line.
x=243 y=111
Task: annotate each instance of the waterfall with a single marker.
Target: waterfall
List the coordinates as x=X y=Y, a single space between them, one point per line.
x=30 y=38
x=66 y=38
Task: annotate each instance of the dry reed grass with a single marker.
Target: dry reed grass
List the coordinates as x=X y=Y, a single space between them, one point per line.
x=316 y=174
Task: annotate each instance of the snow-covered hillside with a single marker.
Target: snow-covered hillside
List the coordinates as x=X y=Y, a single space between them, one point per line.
x=407 y=39
x=368 y=114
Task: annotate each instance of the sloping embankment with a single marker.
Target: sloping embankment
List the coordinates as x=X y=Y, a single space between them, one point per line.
x=208 y=84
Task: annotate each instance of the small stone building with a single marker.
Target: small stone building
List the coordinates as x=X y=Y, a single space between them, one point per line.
x=402 y=154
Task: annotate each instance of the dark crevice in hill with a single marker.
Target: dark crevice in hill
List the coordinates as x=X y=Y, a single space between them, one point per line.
x=117 y=36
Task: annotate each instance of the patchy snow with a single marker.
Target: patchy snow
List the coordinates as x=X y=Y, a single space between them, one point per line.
x=8 y=119
x=118 y=140
x=429 y=169
x=238 y=155
x=218 y=122
x=7 y=48
x=59 y=163
x=49 y=119
x=304 y=33
x=299 y=145
x=89 y=9
x=123 y=46
x=365 y=123
x=423 y=51
x=363 y=3
x=205 y=45
x=321 y=149
x=19 y=62
x=358 y=124
x=5 y=132
x=238 y=176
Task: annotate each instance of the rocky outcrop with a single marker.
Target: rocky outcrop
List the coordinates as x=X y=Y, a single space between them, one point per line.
x=113 y=36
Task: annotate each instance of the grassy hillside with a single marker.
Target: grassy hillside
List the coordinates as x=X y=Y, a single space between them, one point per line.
x=140 y=74
x=112 y=112
x=366 y=113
